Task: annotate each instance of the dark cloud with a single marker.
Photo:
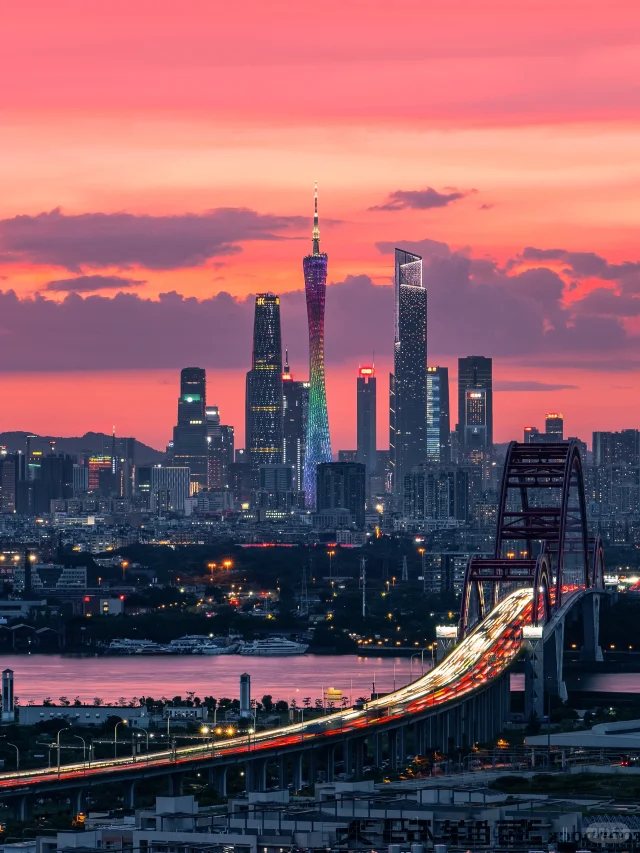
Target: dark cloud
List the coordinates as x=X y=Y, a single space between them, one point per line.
x=102 y=240
x=427 y=199
x=475 y=305
x=425 y=248
x=581 y=264
x=92 y=283
x=530 y=385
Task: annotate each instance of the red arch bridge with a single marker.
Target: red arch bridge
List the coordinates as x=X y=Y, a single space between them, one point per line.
x=514 y=603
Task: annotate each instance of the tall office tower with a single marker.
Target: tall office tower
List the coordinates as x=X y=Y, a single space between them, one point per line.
x=438 y=416
x=554 y=427
x=295 y=407
x=408 y=382
x=366 y=452
x=318 y=442
x=475 y=407
x=220 y=449
x=263 y=422
x=341 y=486
x=189 y=436
x=531 y=434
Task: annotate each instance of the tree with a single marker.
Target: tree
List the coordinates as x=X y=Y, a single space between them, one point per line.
x=293 y=704
x=97 y=701
x=47 y=702
x=267 y=703
x=64 y=701
x=77 y=702
x=281 y=706
x=319 y=705
x=307 y=701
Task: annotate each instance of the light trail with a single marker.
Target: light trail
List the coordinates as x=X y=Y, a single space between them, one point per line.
x=482 y=656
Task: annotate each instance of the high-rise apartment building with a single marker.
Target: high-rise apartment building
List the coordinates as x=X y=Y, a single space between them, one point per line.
x=438 y=416
x=475 y=407
x=617 y=448
x=408 y=382
x=318 y=441
x=220 y=449
x=170 y=487
x=554 y=427
x=263 y=421
x=295 y=408
x=366 y=451
x=189 y=449
x=341 y=486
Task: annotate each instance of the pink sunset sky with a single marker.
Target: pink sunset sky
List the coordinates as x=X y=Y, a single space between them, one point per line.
x=157 y=170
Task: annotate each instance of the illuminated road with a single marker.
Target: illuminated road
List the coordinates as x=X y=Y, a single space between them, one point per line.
x=482 y=656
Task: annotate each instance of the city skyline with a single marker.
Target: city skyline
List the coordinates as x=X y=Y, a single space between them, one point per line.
x=186 y=173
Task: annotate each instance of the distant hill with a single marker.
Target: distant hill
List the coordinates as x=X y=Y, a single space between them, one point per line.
x=94 y=443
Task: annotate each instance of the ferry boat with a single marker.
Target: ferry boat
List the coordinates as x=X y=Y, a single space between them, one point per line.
x=275 y=646
x=127 y=646
x=200 y=644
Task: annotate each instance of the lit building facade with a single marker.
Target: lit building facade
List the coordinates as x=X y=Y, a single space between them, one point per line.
x=263 y=421
x=438 y=416
x=189 y=449
x=366 y=451
x=318 y=442
x=475 y=407
x=554 y=427
x=220 y=449
x=295 y=409
x=408 y=382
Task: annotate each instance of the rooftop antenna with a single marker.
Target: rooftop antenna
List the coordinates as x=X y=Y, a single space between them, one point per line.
x=316 y=229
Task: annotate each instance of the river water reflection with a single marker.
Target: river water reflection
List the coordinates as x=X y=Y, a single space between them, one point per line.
x=110 y=678
x=299 y=677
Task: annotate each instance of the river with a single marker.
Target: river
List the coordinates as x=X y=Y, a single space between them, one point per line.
x=110 y=678
x=299 y=677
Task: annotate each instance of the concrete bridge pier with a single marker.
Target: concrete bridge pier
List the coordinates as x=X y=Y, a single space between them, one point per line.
x=347 y=756
x=218 y=780
x=23 y=808
x=312 y=758
x=359 y=745
x=553 y=662
x=331 y=763
x=255 y=772
x=174 y=784
x=282 y=773
x=533 y=671
x=296 y=766
x=591 y=649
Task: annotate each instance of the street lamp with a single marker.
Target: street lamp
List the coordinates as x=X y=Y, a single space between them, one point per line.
x=84 y=749
x=58 y=744
x=331 y=554
x=422 y=552
x=125 y=566
x=115 y=737
x=17 y=752
x=227 y=564
x=211 y=567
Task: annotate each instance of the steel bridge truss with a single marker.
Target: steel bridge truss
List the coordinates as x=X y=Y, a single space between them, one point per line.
x=541 y=537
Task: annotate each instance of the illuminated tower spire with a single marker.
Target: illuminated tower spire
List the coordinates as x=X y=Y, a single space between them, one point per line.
x=317 y=443
x=316 y=229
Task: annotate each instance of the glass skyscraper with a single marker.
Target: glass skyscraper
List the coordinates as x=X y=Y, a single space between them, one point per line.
x=408 y=382
x=295 y=399
x=318 y=442
x=475 y=407
x=263 y=423
x=366 y=452
x=189 y=435
x=438 y=417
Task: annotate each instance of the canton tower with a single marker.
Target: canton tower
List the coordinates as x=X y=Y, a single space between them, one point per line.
x=318 y=443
